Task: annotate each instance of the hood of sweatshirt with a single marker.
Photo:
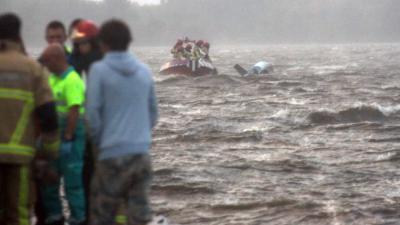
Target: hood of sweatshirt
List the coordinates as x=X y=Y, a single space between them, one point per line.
x=123 y=63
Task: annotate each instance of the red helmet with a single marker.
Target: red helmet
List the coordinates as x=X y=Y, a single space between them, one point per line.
x=206 y=45
x=199 y=42
x=178 y=43
x=188 y=47
x=85 y=29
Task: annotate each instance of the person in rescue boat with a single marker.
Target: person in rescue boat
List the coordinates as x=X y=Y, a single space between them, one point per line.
x=187 y=52
x=177 y=46
x=197 y=51
x=205 y=48
x=186 y=40
x=179 y=53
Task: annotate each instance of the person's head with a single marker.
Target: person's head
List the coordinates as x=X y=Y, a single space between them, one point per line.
x=114 y=35
x=179 y=42
x=54 y=59
x=188 y=47
x=206 y=45
x=56 y=33
x=10 y=27
x=199 y=43
x=180 y=48
x=73 y=25
x=83 y=36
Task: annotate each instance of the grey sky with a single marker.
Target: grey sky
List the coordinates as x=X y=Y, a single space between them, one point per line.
x=147 y=1
x=226 y=21
x=141 y=2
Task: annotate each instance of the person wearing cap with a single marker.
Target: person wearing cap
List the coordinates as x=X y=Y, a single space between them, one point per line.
x=179 y=53
x=205 y=48
x=69 y=91
x=174 y=50
x=26 y=100
x=187 y=51
x=197 y=51
x=85 y=46
x=56 y=33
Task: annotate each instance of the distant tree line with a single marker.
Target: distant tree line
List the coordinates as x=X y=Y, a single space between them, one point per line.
x=225 y=21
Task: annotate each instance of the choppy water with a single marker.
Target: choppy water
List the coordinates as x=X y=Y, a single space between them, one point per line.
x=316 y=142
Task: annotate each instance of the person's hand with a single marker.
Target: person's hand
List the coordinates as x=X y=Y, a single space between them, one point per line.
x=44 y=172
x=68 y=137
x=40 y=167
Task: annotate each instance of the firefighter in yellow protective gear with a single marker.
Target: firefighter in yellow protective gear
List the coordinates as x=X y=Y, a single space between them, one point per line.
x=24 y=96
x=176 y=49
x=205 y=48
x=197 y=51
x=187 y=52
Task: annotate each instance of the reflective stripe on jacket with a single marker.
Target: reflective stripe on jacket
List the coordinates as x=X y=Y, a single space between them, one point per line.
x=23 y=87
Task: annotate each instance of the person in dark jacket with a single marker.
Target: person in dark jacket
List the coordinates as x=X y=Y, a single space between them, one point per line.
x=86 y=49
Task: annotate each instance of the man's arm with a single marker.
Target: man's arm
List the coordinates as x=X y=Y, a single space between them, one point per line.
x=47 y=117
x=72 y=120
x=94 y=104
x=45 y=112
x=75 y=98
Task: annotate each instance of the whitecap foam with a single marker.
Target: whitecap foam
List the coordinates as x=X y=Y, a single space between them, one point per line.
x=387 y=110
x=281 y=114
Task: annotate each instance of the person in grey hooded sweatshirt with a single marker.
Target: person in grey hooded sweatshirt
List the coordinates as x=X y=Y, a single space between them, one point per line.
x=121 y=111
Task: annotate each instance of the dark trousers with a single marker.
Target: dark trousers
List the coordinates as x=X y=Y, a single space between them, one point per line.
x=15 y=194
x=88 y=170
x=39 y=208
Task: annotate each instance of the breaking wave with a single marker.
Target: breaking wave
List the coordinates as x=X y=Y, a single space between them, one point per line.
x=363 y=113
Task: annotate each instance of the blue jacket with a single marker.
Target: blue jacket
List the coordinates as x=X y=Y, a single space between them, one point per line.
x=121 y=105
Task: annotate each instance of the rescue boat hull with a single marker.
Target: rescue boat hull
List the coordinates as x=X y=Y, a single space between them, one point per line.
x=186 y=67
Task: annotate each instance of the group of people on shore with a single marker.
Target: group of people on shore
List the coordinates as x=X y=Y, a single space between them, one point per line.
x=79 y=118
x=191 y=49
